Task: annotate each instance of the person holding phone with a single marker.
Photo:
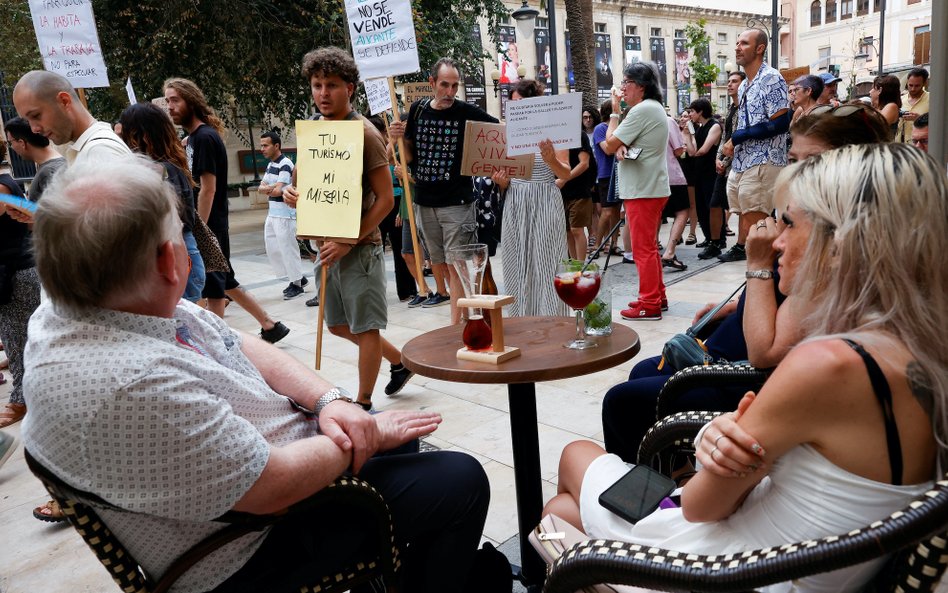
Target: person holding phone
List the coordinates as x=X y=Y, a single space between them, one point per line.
x=876 y=354
x=643 y=179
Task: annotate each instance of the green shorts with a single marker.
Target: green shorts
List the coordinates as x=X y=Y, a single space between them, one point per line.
x=355 y=291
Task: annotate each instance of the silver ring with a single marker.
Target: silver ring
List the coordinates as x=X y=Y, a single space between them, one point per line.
x=761 y=225
x=718 y=439
x=713 y=451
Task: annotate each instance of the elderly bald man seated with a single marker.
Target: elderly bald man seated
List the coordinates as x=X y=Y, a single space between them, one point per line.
x=158 y=407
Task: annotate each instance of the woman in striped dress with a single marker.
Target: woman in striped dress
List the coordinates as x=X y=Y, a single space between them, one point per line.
x=533 y=235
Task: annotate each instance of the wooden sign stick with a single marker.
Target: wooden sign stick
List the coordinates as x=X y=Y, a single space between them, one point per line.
x=82 y=97
x=419 y=253
x=319 y=317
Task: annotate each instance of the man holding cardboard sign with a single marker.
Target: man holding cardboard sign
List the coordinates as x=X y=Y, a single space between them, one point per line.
x=354 y=301
x=434 y=137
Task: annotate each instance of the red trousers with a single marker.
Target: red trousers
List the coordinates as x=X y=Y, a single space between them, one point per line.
x=643 y=216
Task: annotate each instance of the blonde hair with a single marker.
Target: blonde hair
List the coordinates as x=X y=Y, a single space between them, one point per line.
x=875 y=265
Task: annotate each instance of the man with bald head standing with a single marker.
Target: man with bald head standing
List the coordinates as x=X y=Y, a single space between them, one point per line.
x=52 y=108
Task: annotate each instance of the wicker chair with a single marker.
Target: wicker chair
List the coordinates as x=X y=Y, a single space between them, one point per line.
x=915 y=535
x=712 y=375
x=80 y=509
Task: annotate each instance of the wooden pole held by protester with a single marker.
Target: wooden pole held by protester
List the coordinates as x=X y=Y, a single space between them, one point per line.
x=82 y=97
x=403 y=162
x=419 y=280
x=319 y=318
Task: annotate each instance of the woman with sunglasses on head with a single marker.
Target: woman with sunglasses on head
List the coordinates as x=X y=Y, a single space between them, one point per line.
x=148 y=129
x=762 y=325
x=886 y=96
x=847 y=429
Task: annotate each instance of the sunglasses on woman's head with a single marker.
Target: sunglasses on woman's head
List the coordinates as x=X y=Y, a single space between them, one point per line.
x=839 y=111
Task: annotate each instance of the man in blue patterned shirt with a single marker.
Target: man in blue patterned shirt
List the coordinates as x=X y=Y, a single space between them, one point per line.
x=279 y=231
x=759 y=144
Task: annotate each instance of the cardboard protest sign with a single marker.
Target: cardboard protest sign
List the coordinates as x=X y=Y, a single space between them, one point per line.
x=383 y=37
x=412 y=91
x=376 y=91
x=329 y=178
x=485 y=151
x=68 y=41
x=557 y=118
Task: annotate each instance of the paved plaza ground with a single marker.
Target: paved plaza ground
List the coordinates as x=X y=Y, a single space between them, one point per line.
x=38 y=557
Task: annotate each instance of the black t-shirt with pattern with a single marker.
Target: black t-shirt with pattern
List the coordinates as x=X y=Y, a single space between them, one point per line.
x=438 y=135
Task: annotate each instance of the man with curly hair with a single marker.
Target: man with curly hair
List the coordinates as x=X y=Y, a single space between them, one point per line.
x=355 y=301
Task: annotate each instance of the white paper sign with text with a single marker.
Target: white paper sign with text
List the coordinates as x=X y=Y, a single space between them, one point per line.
x=556 y=117
x=376 y=91
x=383 y=37
x=68 y=41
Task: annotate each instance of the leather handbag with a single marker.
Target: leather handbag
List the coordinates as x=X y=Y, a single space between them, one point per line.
x=553 y=536
x=686 y=349
x=210 y=248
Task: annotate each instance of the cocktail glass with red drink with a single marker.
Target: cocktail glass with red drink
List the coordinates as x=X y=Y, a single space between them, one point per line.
x=577 y=287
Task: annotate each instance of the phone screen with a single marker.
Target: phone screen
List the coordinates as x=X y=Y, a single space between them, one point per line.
x=637 y=493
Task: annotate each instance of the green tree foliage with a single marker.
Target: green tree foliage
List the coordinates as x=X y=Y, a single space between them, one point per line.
x=18 y=41
x=698 y=41
x=246 y=52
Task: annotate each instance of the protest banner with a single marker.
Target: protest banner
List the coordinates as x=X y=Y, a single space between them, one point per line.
x=383 y=37
x=485 y=152
x=329 y=179
x=412 y=91
x=376 y=91
x=557 y=118
x=68 y=41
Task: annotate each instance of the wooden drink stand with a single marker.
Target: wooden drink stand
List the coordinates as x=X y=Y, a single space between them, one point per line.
x=499 y=352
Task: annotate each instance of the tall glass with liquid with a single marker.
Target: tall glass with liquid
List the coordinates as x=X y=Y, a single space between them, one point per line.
x=469 y=261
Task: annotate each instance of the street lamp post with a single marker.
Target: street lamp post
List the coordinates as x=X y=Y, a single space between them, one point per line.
x=881 y=69
x=526 y=13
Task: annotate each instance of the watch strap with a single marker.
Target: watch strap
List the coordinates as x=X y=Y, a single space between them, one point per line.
x=331 y=396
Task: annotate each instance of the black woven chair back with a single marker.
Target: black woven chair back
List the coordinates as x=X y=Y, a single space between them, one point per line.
x=79 y=509
x=122 y=567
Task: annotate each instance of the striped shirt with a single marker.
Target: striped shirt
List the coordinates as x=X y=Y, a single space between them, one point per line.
x=280 y=171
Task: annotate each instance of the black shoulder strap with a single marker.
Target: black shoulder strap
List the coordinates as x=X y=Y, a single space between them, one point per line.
x=880 y=386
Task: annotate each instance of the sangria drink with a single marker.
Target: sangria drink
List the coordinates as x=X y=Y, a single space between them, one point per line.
x=577 y=287
x=470 y=261
x=477 y=334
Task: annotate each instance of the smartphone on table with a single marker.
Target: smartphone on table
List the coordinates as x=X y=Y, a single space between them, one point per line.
x=637 y=493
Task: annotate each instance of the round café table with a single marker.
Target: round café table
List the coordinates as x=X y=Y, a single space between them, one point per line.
x=542 y=358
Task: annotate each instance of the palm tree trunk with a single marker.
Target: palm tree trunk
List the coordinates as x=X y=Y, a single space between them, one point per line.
x=580 y=45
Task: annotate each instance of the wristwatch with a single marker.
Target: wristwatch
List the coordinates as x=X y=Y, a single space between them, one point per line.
x=759 y=274
x=331 y=396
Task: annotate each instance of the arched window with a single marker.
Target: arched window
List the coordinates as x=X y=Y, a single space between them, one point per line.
x=830 y=11
x=846 y=9
x=816 y=14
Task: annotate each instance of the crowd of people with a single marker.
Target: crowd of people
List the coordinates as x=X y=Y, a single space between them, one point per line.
x=129 y=240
